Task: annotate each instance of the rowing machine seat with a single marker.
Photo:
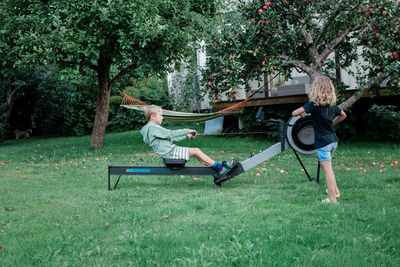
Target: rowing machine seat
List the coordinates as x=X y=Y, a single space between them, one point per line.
x=174 y=164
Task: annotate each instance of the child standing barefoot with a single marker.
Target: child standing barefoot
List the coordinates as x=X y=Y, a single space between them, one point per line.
x=324 y=114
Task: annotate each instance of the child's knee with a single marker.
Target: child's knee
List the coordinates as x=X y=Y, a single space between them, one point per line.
x=195 y=151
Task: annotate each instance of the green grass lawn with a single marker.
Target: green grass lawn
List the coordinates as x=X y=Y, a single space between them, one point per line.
x=56 y=209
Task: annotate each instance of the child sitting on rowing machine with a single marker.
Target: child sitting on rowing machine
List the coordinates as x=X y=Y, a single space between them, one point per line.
x=161 y=141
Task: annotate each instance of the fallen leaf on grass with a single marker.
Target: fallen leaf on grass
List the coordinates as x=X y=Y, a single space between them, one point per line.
x=107 y=224
x=165 y=216
x=8 y=209
x=1 y=247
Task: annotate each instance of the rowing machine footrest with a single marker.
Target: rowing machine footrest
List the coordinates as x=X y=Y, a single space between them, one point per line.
x=174 y=164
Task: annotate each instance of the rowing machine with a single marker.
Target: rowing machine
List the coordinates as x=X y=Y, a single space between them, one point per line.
x=297 y=134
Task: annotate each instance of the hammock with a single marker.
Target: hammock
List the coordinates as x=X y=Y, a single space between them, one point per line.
x=135 y=104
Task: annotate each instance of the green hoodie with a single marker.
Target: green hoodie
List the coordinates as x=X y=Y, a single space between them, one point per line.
x=161 y=139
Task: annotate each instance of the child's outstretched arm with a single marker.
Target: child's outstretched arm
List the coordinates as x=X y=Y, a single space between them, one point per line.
x=339 y=118
x=300 y=111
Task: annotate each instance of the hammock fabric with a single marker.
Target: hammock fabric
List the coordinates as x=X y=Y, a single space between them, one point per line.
x=135 y=104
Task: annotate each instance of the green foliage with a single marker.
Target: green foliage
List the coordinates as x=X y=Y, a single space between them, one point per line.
x=250 y=123
x=264 y=37
x=185 y=87
x=150 y=90
x=384 y=122
x=109 y=39
x=3 y=120
x=50 y=104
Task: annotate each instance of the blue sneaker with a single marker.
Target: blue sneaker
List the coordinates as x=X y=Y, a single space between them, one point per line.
x=225 y=167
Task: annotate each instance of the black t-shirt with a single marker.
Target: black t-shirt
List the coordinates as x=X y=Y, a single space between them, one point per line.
x=322 y=118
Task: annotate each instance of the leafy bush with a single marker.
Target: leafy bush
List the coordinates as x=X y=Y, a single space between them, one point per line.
x=250 y=123
x=149 y=90
x=384 y=122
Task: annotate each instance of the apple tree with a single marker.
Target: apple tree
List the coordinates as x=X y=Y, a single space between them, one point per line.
x=314 y=37
x=108 y=38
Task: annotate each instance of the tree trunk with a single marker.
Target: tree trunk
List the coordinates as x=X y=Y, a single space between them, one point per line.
x=102 y=106
x=314 y=76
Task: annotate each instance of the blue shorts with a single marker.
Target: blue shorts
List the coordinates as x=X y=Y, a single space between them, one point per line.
x=325 y=153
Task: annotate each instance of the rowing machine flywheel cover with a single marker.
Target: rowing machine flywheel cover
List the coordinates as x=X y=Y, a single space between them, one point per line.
x=300 y=134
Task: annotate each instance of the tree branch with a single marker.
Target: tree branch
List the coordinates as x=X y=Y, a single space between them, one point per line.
x=328 y=50
x=122 y=73
x=357 y=95
x=295 y=13
x=331 y=18
x=297 y=63
x=310 y=44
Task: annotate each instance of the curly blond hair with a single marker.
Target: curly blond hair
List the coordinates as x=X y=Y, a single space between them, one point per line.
x=322 y=92
x=150 y=111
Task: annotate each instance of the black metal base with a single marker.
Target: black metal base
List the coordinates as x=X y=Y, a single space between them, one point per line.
x=234 y=170
x=156 y=170
x=305 y=170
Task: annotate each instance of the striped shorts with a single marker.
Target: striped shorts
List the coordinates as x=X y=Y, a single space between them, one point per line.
x=179 y=152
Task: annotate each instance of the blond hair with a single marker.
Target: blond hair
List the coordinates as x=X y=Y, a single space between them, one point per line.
x=322 y=92
x=151 y=110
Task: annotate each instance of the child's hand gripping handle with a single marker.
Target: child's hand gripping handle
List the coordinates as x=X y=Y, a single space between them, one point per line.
x=192 y=134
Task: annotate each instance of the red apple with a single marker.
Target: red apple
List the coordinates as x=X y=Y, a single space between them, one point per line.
x=260 y=11
x=253 y=19
x=209 y=83
x=214 y=74
x=395 y=55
